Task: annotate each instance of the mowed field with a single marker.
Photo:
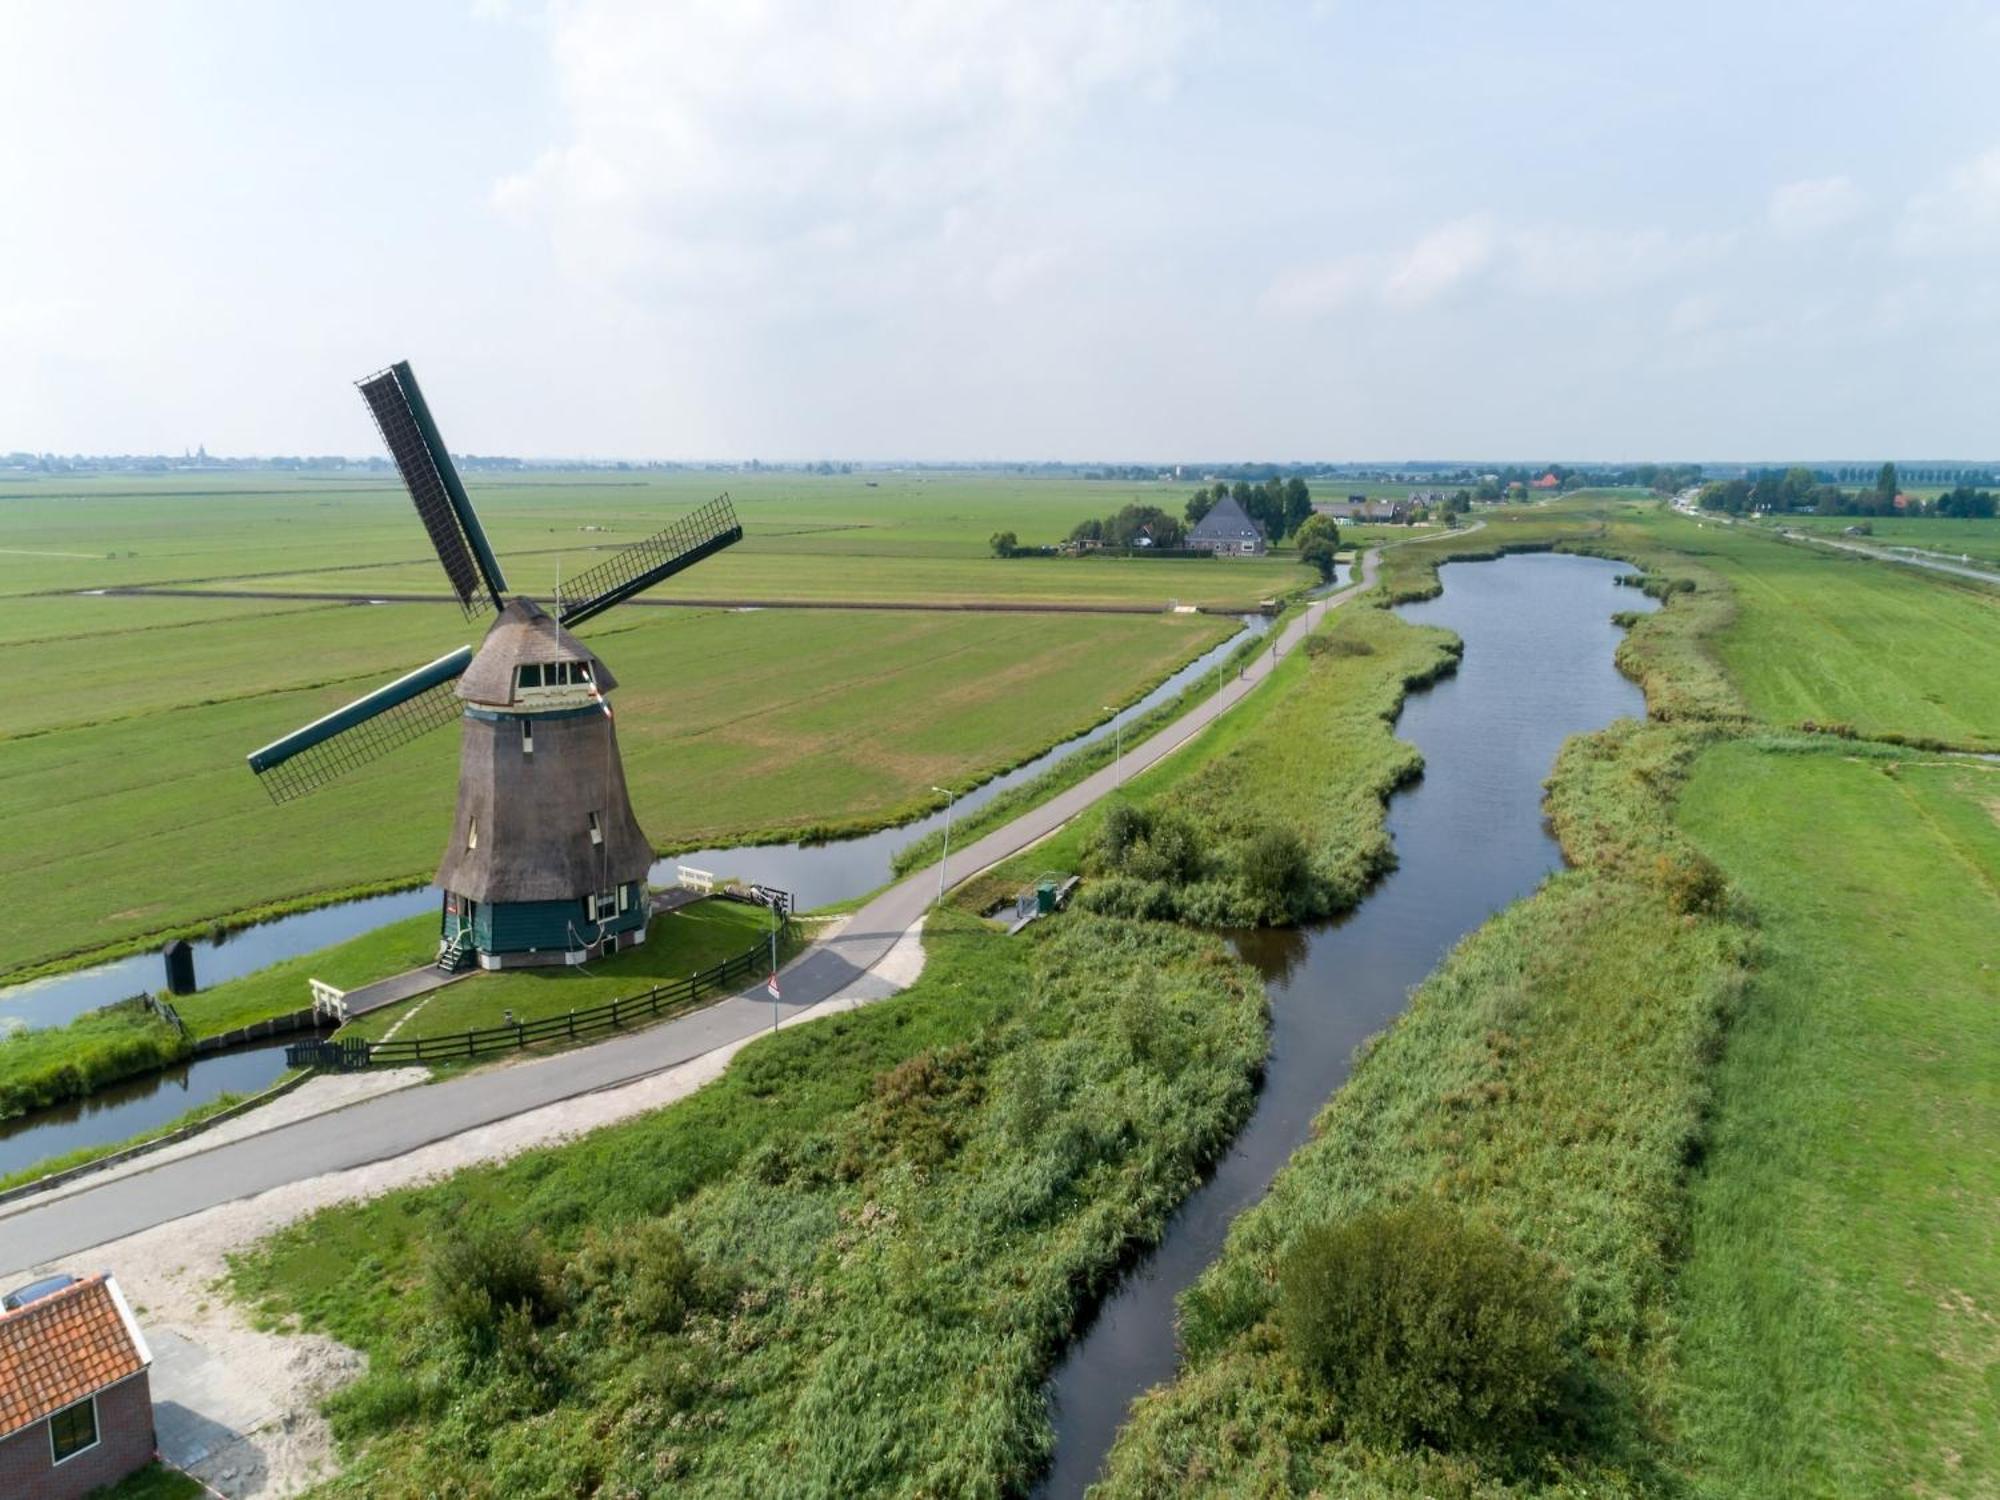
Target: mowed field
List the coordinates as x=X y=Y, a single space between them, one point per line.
x=1837 y=640
x=1842 y=1292
x=901 y=538
x=130 y=813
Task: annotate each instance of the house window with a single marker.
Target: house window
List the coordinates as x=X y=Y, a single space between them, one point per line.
x=73 y=1430
x=596 y=832
x=472 y=833
x=527 y=736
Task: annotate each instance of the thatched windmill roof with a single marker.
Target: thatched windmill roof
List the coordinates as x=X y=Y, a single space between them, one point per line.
x=524 y=633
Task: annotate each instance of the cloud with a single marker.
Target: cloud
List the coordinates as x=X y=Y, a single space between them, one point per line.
x=1564 y=261
x=1813 y=205
x=1959 y=216
x=1440 y=261
x=790 y=155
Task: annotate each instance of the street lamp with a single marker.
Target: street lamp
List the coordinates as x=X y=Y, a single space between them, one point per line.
x=1118 y=747
x=950 y=797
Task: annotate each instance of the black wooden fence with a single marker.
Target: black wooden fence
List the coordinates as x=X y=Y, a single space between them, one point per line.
x=662 y=1000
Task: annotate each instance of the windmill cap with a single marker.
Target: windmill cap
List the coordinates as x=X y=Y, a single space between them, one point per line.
x=524 y=635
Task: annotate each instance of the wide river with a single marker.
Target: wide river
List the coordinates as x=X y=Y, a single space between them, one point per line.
x=1470 y=839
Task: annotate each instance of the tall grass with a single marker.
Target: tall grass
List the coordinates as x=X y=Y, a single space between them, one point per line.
x=1550 y=1080
x=842 y=1269
x=48 y=1066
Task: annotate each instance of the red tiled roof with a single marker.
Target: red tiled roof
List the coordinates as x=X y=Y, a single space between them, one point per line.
x=66 y=1346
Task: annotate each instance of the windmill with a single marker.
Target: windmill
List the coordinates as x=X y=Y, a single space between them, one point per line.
x=546 y=863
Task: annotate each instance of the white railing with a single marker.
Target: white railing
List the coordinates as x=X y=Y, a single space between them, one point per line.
x=328 y=1001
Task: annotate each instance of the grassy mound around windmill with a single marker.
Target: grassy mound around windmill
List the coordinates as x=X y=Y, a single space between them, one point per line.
x=678 y=943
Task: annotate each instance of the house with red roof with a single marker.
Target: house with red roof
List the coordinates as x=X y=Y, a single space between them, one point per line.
x=1548 y=482
x=76 y=1404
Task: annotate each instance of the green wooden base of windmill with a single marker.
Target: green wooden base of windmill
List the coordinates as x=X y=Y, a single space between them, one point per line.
x=545 y=862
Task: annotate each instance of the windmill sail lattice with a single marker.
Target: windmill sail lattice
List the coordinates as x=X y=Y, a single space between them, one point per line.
x=660 y=556
x=364 y=730
x=404 y=420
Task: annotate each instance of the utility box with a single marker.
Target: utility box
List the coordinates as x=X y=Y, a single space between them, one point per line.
x=180 y=967
x=1045 y=896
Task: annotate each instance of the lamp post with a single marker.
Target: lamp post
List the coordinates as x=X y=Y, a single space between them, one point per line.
x=1117 y=747
x=950 y=797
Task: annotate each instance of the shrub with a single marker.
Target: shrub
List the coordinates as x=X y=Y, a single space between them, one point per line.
x=479 y=1273
x=645 y=1277
x=1276 y=870
x=1425 y=1326
x=1338 y=645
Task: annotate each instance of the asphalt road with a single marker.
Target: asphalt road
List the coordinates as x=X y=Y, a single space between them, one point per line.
x=36 y=1232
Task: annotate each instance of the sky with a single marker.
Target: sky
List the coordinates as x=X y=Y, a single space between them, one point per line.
x=972 y=230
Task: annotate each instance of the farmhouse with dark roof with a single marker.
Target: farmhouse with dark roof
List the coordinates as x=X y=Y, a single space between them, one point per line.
x=1227 y=531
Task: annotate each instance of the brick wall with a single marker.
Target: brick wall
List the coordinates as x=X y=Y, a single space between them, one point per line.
x=125 y=1442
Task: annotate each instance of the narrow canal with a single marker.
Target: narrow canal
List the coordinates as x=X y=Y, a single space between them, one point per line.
x=1470 y=839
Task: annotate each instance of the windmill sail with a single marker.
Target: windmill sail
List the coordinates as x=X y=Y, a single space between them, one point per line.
x=365 y=730
x=404 y=420
x=638 y=567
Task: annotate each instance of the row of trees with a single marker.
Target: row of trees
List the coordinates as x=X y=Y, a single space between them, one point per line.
x=1800 y=489
x=1132 y=526
x=1280 y=506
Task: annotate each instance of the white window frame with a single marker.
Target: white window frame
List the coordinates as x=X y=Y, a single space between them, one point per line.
x=472 y=832
x=596 y=830
x=603 y=906
x=96 y=1432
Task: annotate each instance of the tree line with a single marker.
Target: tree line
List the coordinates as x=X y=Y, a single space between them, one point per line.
x=1280 y=506
x=1801 y=489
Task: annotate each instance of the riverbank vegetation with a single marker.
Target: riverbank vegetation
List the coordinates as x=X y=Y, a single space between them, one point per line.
x=842 y=1268
x=1546 y=1087
x=1274 y=812
x=39 y=1068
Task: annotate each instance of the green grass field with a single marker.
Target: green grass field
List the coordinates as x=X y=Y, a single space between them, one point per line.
x=1978 y=540
x=903 y=537
x=1846 y=640
x=732 y=725
x=1842 y=1291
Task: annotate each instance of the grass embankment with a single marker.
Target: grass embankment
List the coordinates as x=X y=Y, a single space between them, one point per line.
x=843 y=1268
x=1313 y=752
x=1946 y=536
x=1548 y=1081
x=1842 y=1292
x=678 y=944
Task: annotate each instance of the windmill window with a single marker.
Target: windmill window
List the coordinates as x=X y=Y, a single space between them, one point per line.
x=531 y=676
x=472 y=833
x=580 y=670
x=527 y=736
x=603 y=906
x=596 y=831
x=624 y=898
